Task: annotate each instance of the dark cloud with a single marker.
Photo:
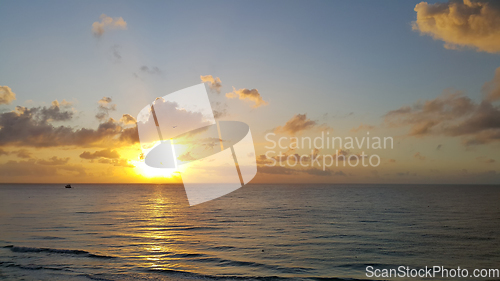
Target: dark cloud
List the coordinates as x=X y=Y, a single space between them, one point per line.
x=152 y=70
x=106 y=153
x=104 y=107
x=33 y=127
x=450 y=115
x=116 y=162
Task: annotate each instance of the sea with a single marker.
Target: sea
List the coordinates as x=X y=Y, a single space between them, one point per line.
x=258 y=232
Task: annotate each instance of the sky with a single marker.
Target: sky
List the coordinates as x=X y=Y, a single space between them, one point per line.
x=74 y=76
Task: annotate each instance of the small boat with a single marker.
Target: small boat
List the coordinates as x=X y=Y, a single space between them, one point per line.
x=68 y=186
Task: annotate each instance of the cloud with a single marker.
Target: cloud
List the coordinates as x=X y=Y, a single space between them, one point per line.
x=219 y=109
x=418 y=156
x=250 y=95
x=318 y=172
x=23 y=153
x=297 y=124
x=276 y=170
x=362 y=127
x=53 y=161
x=492 y=88
x=115 y=53
x=280 y=170
x=38 y=168
x=104 y=108
x=107 y=23
x=116 y=162
x=471 y=24
x=439 y=147
x=153 y=70
x=186 y=157
x=33 y=127
x=485 y=160
x=215 y=83
x=127 y=119
x=450 y=115
x=106 y=153
x=6 y=95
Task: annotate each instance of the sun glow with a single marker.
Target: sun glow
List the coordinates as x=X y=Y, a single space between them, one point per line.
x=150 y=172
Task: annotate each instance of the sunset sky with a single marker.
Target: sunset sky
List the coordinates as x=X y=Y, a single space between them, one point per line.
x=74 y=76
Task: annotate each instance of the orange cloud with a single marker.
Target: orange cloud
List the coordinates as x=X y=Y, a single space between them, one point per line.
x=215 y=83
x=248 y=94
x=6 y=95
x=362 y=127
x=473 y=24
x=297 y=124
x=105 y=23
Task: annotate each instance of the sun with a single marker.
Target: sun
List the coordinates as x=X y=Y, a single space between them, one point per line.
x=148 y=172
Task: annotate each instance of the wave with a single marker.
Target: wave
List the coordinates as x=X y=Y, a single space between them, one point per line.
x=31 y=267
x=82 y=253
x=190 y=275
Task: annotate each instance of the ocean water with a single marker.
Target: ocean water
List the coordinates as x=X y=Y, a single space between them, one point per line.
x=286 y=232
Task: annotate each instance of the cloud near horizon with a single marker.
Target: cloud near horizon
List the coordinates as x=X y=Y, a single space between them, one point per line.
x=33 y=127
x=105 y=153
x=107 y=23
x=469 y=24
x=453 y=115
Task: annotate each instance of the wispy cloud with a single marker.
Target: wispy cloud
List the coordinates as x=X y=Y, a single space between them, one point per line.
x=492 y=88
x=299 y=123
x=150 y=70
